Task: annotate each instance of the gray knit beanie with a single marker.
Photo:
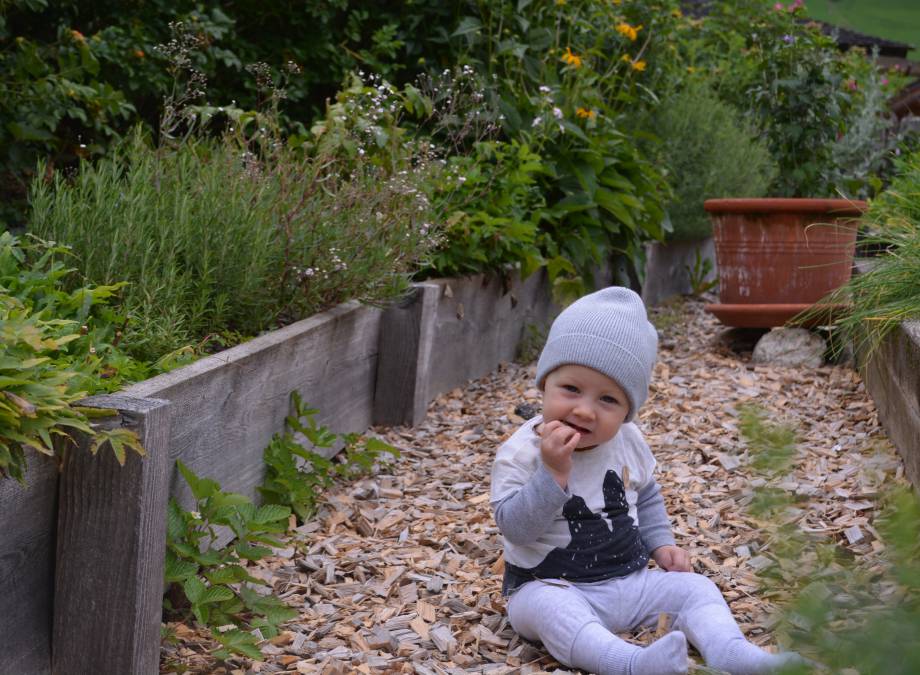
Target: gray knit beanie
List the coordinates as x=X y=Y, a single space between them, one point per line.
x=609 y=332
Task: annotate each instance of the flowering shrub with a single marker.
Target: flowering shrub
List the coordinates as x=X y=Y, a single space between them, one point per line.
x=569 y=80
x=813 y=105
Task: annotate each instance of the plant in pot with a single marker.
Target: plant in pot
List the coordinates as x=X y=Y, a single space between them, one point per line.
x=780 y=255
x=707 y=149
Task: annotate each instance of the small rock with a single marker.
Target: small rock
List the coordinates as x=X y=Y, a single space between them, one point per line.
x=790 y=347
x=526 y=410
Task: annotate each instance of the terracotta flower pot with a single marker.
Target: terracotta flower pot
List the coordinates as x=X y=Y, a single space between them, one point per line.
x=778 y=257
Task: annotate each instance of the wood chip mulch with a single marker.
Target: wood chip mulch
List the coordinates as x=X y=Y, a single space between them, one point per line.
x=401 y=572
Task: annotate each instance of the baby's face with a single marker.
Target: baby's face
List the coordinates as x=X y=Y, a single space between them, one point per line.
x=585 y=400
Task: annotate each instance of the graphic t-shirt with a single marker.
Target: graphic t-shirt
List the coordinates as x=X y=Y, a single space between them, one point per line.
x=595 y=534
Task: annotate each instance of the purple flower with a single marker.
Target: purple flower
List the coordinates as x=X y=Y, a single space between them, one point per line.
x=788 y=39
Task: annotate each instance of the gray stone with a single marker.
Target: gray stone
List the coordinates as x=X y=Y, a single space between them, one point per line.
x=790 y=347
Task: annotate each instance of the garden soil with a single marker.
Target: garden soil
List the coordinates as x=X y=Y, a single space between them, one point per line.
x=401 y=572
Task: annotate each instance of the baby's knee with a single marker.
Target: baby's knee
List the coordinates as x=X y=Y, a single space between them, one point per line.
x=550 y=614
x=696 y=588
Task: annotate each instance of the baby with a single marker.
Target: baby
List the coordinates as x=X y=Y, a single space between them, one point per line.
x=575 y=497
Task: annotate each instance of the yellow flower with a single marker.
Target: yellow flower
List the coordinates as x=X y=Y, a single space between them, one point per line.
x=628 y=31
x=691 y=69
x=676 y=13
x=571 y=59
x=586 y=114
x=560 y=2
x=638 y=65
x=78 y=36
x=626 y=58
x=617 y=2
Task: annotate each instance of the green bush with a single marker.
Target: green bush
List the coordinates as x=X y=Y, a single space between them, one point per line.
x=234 y=235
x=799 y=90
x=709 y=151
x=570 y=80
x=56 y=347
x=75 y=75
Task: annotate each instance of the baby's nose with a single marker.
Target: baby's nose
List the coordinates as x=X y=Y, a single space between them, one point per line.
x=584 y=410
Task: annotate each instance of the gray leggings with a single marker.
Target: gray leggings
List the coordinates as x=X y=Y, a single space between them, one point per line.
x=555 y=612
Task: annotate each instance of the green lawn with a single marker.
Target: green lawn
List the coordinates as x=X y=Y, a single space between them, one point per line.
x=897 y=20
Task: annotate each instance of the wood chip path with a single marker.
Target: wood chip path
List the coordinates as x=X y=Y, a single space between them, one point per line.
x=400 y=572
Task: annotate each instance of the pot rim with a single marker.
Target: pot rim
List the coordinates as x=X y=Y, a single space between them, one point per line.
x=837 y=207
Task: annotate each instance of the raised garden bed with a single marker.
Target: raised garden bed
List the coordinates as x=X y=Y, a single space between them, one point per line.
x=892 y=376
x=81 y=574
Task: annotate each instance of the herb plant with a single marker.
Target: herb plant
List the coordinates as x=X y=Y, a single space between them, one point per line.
x=708 y=150
x=210 y=579
x=295 y=475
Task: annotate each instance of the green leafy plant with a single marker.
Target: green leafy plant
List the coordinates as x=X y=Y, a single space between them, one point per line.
x=772 y=444
x=296 y=475
x=709 y=150
x=570 y=79
x=209 y=579
x=791 y=80
x=699 y=273
x=55 y=349
x=214 y=236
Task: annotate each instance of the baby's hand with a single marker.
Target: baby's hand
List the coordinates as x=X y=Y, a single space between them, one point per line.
x=556 y=448
x=672 y=558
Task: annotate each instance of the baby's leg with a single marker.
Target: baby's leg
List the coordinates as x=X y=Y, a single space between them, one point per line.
x=561 y=618
x=703 y=615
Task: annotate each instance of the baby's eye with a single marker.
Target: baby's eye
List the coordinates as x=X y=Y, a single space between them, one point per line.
x=609 y=399
x=570 y=387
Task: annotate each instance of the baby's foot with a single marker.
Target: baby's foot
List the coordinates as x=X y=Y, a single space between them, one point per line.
x=744 y=658
x=665 y=656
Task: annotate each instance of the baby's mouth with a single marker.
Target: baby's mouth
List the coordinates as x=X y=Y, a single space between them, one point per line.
x=577 y=428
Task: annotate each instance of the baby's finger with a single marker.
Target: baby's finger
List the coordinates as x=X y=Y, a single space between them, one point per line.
x=563 y=435
x=572 y=443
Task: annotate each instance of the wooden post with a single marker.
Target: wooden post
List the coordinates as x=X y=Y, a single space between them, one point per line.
x=406 y=335
x=27 y=520
x=111 y=542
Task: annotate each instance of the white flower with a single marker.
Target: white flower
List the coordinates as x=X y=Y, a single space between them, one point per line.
x=537 y=121
x=544 y=89
x=557 y=113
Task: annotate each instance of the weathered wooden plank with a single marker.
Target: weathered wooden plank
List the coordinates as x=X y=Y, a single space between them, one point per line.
x=406 y=334
x=226 y=407
x=480 y=323
x=27 y=521
x=668 y=265
x=893 y=379
x=111 y=542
